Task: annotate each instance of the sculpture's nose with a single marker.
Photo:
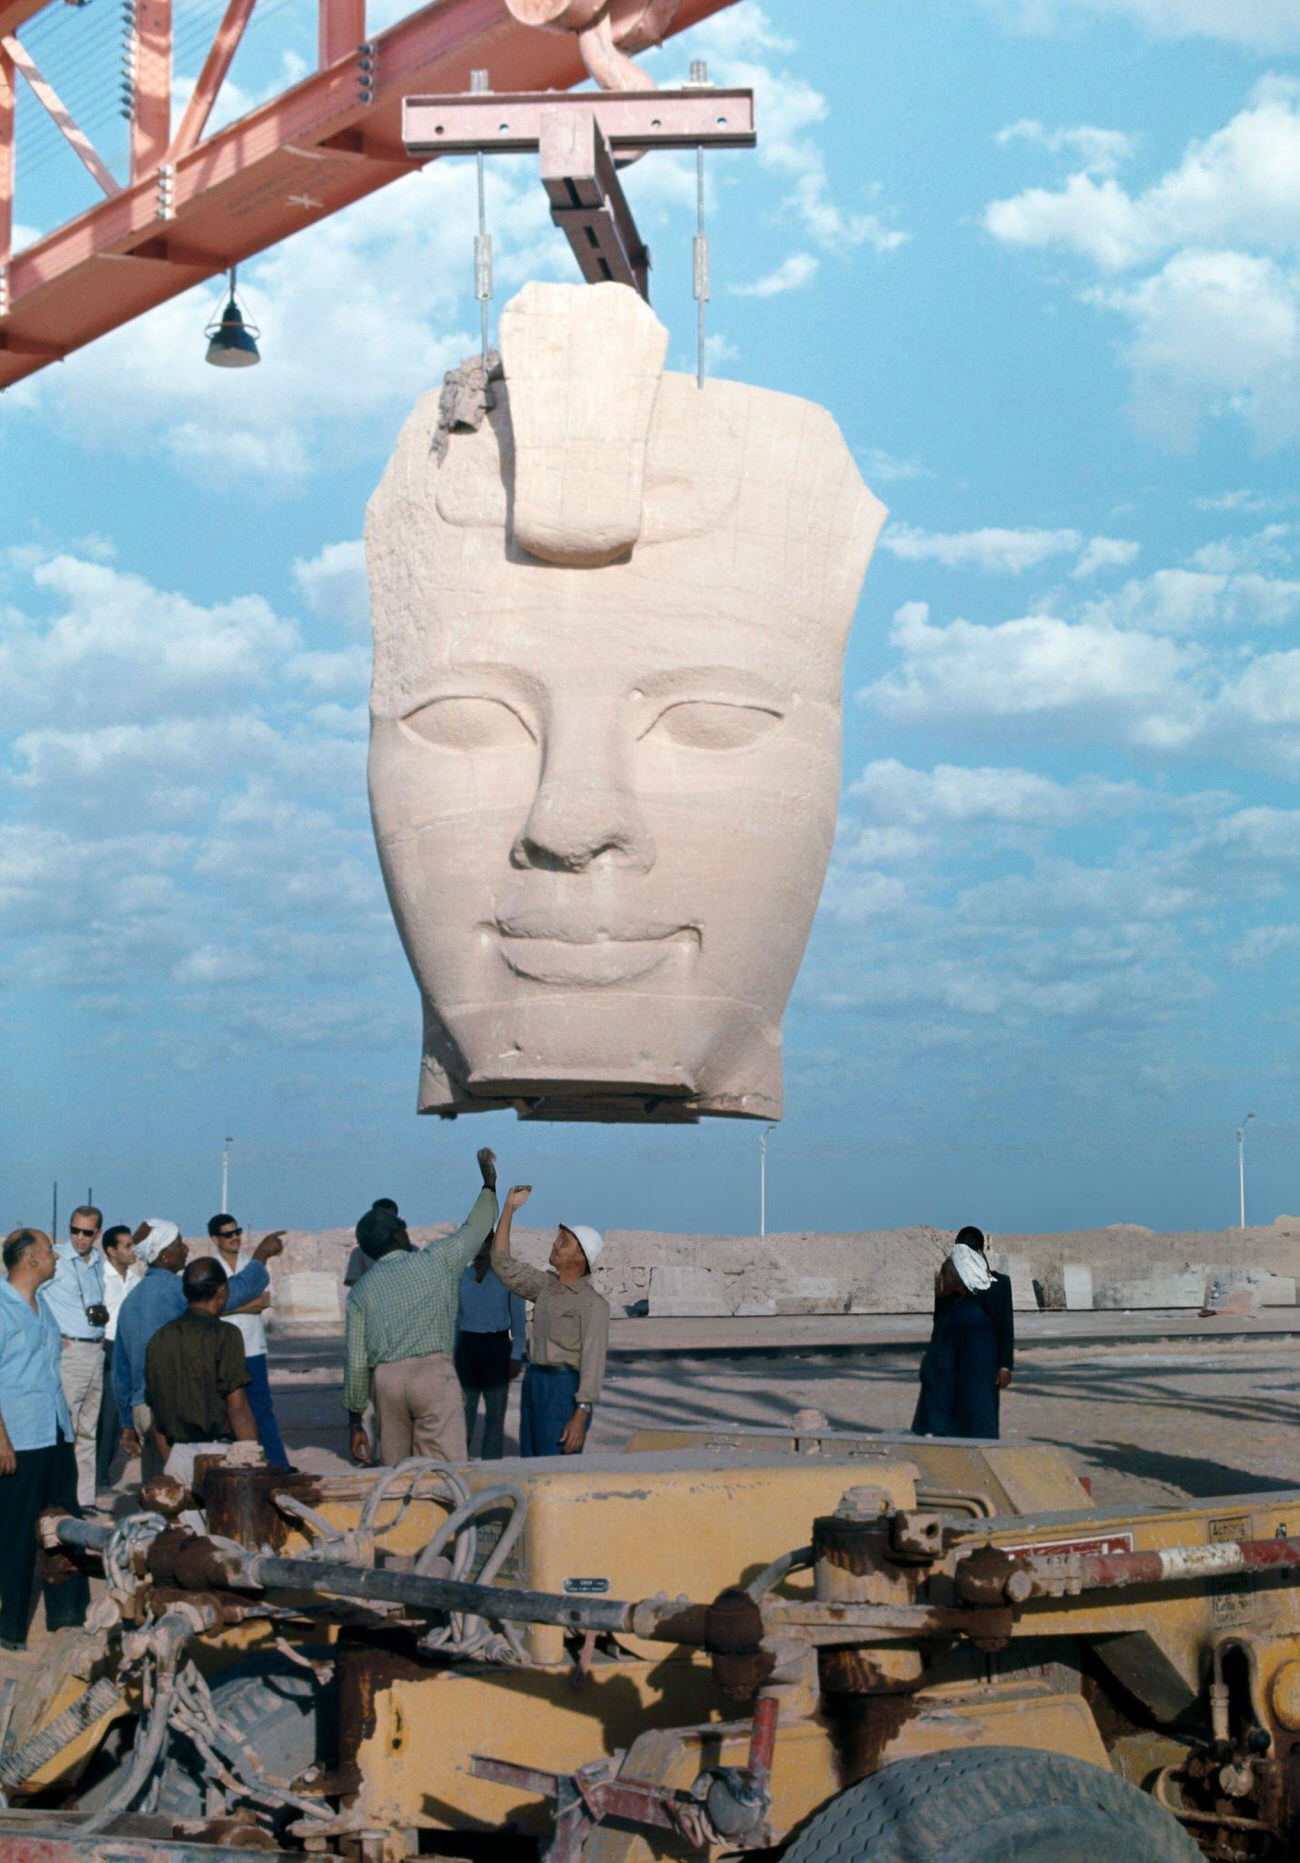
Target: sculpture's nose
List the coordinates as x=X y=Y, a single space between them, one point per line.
x=585 y=813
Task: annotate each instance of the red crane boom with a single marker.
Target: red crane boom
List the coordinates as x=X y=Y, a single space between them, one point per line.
x=193 y=208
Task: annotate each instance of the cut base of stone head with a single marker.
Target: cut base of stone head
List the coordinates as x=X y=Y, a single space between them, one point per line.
x=605 y=720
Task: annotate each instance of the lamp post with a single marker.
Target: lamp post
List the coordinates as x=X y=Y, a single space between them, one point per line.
x=225 y=1174
x=1241 y=1164
x=762 y=1179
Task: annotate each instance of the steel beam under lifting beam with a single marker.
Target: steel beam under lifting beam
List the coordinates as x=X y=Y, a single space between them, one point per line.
x=510 y=122
x=588 y=203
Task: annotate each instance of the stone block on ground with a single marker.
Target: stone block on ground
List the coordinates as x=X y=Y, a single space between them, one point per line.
x=1019 y=1272
x=307 y=1298
x=1077 y=1277
x=811 y=1293
x=1163 y=1285
x=685 y=1293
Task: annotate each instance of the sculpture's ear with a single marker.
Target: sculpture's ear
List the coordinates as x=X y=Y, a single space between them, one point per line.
x=582 y=367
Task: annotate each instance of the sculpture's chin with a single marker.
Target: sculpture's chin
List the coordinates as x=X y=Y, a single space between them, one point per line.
x=660 y=1060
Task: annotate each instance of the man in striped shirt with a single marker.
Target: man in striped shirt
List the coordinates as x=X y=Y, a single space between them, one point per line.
x=401 y=1332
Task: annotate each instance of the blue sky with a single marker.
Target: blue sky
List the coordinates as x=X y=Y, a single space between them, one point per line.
x=1041 y=260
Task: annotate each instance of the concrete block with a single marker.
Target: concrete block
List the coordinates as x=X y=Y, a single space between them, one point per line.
x=811 y=1293
x=1277 y=1290
x=1163 y=1285
x=308 y=1297
x=1019 y=1272
x=684 y=1293
x=1077 y=1276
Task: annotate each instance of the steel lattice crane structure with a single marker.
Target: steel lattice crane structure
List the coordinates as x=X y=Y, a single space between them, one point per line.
x=193 y=206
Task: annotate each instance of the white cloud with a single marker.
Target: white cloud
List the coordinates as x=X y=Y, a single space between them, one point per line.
x=957 y=795
x=1214 y=324
x=1141 y=686
x=1261 y=25
x=1253 y=504
x=333 y=584
x=1101 y=151
x=1104 y=553
x=134 y=705
x=115 y=643
x=1213 y=334
x=1186 y=601
x=881 y=466
x=1263 y=547
x=991 y=551
x=1240 y=186
x=799 y=269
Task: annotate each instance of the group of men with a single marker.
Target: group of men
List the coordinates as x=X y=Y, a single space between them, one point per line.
x=117 y=1344
x=115 y=1339
x=430 y=1331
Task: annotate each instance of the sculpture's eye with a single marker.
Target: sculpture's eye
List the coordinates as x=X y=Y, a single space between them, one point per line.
x=708 y=724
x=469 y=724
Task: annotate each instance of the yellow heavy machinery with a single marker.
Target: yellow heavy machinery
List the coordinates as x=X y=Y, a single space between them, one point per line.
x=816 y=1646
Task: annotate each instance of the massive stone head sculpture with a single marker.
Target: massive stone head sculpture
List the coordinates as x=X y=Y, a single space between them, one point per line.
x=605 y=721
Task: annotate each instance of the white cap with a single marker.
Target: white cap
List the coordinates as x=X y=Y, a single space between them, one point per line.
x=590 y=1240
x=161 y=1236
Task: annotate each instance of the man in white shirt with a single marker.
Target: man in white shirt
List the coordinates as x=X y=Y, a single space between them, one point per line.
x=228 y=1236
x=75 y=1297
x=121 y=1272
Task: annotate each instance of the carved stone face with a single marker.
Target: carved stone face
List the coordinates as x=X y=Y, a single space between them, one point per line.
x=604 y=790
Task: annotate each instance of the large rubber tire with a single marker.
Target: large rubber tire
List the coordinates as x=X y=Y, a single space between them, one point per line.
x=287 y=1717
x=992 y=1805
x=283 y=1712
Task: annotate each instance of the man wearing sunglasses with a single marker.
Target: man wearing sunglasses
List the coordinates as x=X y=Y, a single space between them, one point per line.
x=75 y=1298
x=249 y=1323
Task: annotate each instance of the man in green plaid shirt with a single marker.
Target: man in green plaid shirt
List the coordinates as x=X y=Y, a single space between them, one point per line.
x=401 y=1332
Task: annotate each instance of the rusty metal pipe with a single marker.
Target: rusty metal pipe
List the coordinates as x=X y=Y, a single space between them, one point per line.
x=1165 y=1565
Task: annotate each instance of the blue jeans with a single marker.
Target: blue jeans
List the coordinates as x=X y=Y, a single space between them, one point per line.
x=545 y=1408
x=259 y=1399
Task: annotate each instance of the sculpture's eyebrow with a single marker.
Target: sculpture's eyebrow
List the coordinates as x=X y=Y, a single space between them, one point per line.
x=738 y=683
x=480 y=678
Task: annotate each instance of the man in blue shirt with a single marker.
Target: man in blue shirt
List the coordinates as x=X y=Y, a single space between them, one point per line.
x=37 y=1466
x=75 y=1296
x=149 y=1305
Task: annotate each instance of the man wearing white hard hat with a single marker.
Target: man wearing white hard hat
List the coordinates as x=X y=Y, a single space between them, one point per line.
x=566 y=1356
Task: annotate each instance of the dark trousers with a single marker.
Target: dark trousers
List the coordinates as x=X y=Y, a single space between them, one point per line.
x=259 y=1402
x=483 y=1367
x=109 y=1439
x=44 y=1478
x=959 y=1394
x=545 y=1408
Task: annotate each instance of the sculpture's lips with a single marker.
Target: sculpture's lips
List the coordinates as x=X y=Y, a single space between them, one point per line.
x=547 y=956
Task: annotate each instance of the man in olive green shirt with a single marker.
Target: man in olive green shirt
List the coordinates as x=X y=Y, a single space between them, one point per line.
x=195 y=1376
x=570 y=1334
x=401 y=1332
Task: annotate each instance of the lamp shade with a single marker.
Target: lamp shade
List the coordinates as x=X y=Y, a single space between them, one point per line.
x=232 y=342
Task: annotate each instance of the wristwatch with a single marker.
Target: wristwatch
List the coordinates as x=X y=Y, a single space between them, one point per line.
x=583 y=1405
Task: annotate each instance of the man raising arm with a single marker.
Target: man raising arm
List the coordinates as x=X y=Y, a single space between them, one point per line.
x=570 y=1333
x=401 y=1329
